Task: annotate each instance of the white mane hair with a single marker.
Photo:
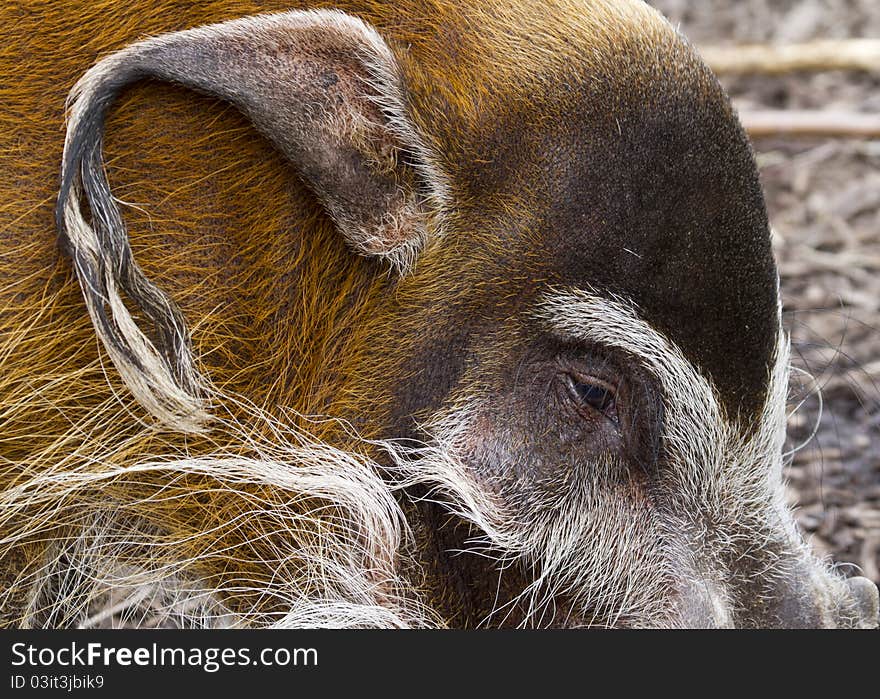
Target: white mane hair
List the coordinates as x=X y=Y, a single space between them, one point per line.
x=336 y=535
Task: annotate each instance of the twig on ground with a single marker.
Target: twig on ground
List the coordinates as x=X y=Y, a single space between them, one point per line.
x=810 y=123
x=829 y=54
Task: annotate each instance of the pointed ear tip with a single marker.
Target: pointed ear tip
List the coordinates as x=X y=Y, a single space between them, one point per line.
x=400 y=257
x=404 y=251
x=397 y=235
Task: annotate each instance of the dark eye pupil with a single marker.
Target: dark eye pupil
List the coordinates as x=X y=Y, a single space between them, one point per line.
x=594 y=396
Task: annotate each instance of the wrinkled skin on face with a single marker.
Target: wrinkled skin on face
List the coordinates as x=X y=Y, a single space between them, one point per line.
x=574 y=360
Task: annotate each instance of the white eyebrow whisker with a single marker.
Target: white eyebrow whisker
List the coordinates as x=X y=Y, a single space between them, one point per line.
x=695 y=421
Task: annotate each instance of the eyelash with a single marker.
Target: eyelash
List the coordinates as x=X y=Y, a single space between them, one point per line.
x=594 y=395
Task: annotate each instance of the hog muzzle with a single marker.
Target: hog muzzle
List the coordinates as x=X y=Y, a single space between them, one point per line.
x=813 y=599
x=866 y=598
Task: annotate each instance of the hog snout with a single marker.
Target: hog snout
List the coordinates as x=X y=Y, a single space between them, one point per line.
x=817 y=599
x=821 y=600
x=866 y=599
x=812 y=599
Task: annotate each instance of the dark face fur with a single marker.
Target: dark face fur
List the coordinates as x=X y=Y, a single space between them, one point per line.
x=646 y=194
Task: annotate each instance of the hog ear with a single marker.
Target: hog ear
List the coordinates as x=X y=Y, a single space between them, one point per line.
x=323 y=86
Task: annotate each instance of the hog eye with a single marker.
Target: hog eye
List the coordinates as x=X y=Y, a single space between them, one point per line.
x=594 y=395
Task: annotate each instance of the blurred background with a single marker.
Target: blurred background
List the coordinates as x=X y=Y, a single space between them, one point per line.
x=823 y=198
